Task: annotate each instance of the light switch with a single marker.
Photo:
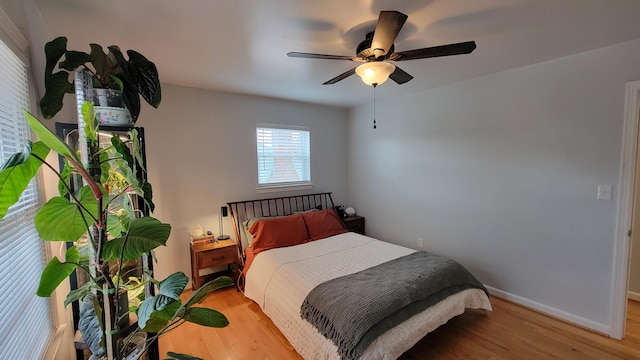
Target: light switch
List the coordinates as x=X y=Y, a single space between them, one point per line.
x=604 y=192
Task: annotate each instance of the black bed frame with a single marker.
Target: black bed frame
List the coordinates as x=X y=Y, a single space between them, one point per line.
x=277 y=206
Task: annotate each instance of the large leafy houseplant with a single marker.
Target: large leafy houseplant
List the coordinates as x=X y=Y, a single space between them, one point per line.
x=105 y=236
x=135 y=77
x=113 y=238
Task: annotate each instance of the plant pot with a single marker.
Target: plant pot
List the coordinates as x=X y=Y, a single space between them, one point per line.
x=107 y=97
x=136 y=346
x=134 y=349
x=113 y=116
x=109 y=108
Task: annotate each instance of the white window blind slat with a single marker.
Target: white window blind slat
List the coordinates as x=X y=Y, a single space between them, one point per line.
x=283 y=155
x=25 y=317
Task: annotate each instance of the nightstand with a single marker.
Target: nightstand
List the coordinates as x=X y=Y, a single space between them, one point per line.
x=212 y=254
x=354 y=223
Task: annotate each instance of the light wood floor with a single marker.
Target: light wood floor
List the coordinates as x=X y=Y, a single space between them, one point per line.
x=509 y=332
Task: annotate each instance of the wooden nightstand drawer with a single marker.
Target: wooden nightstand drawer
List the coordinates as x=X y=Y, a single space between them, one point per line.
x=217 y=257
x=210 y=255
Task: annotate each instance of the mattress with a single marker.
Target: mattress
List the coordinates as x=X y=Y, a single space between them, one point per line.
x=280 y=279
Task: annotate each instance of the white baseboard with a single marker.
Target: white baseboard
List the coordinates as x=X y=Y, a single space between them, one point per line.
x=569 y=317
x=633 y=295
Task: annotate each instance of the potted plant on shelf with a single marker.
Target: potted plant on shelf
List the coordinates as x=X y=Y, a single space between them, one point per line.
x=112 y=239
x=113 y=235
x=133 y=77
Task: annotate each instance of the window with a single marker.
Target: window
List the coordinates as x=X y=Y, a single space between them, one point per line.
x=283 y=156
x=25 y=318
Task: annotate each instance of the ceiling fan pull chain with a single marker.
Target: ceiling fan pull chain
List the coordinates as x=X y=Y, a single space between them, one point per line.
x=374 y=106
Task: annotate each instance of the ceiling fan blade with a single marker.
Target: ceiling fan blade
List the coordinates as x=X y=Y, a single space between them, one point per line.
x=400 y=76
x=342 y=76
x=443 y=50
x=387 y=28
x=319 y=56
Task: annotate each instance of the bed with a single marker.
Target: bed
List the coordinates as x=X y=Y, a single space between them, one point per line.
x=332 y=292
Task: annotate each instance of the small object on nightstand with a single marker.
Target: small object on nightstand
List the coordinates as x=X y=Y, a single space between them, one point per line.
x=354 y=223
x=204 y=239
x=197 y=231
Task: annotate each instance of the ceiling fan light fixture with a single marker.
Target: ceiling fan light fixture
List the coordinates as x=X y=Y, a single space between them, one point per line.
x=375 y=72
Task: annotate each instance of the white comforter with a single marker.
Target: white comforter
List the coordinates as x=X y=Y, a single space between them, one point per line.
x=280 y=279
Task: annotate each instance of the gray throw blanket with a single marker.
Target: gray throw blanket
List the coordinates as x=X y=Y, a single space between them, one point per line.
x=355 y=309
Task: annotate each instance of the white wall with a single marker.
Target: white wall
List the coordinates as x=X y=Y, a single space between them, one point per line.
x=201 y=154
x=501 y=172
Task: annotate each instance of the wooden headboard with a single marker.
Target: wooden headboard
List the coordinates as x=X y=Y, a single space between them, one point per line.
x=278 y=206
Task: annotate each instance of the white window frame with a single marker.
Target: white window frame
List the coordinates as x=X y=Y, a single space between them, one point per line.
x=300 y=159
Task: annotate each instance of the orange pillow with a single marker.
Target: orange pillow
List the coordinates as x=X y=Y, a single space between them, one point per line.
x=278 y=232
x=323 y=223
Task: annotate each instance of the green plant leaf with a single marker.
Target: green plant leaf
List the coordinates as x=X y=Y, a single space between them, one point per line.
x=171 y=288
x=146 y=76
x=206 y=317
x=58 y=85
x=169 y=291
x=18 y=158
x=53 y=50
x=17 y=172
x=205 y=289
x=128 y=174
x=147 y=195
x=154 y=321
x=122 y=149
x=90 y=121
x=50 y=139
x=120 y=64
x=131 y=98
x=129 y=83
x=128 y=208
x=61 y=220
x=117 y=83
x=105 y=166
x=99 y=60
x=73 y=59
x=137 y=147
x=145 y=234
x=91 y=325
x=78 y=294
x=55 y=272
x=176 y=356
x=117 y=224
x=65 y=177
x=83 y=249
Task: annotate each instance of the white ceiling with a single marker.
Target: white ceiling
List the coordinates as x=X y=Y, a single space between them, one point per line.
x=241 y=45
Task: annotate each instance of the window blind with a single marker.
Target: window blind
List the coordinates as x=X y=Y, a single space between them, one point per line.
x=25 y=318
x=283 y=156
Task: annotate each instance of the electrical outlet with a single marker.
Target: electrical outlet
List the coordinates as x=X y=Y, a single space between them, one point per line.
x=420 y=242
x=604 y=192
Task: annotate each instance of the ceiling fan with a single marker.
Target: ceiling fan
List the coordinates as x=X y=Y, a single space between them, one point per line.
x=378 y=49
